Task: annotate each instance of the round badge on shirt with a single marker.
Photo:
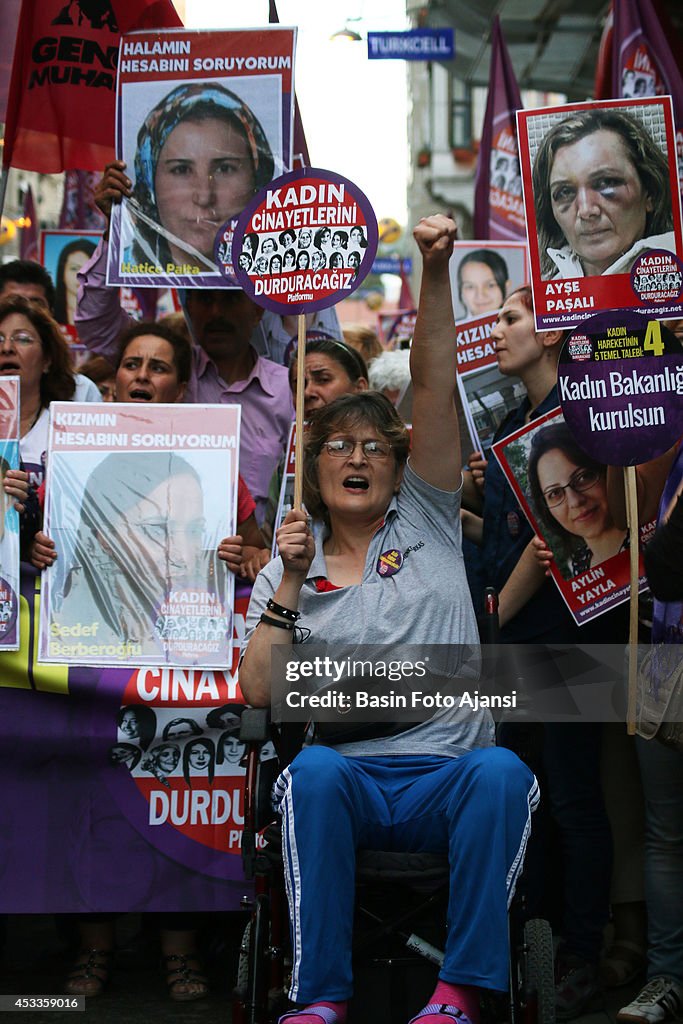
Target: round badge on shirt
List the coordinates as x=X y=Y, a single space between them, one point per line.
x=389 y=562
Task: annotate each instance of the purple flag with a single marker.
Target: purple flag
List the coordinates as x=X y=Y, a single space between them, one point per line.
x=300 y=146
x=78 y=207
x=644 y=64
x=28 y=247
x=498 y=206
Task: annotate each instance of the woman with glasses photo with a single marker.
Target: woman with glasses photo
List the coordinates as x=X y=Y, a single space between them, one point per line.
x=569 y=493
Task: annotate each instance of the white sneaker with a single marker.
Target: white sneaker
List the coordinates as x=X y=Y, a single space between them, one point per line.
x=660 y=1000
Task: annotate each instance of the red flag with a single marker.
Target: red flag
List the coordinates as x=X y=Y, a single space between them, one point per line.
x=602 y=90
x=63 y=90
x=28 y=245
x=498 y=207
x=643 y=62
x=300 y=146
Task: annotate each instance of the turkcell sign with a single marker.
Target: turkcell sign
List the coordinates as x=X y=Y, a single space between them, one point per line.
x=417 y=44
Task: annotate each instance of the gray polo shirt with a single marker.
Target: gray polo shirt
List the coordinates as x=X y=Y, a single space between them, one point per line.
x=426 y=602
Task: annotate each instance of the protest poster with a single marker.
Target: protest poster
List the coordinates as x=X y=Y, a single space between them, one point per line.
x=396 y=329
x=204 y=120
x=304 y=243
x=620 y=385
x=603 y=212
x=85 y=827
x=563 y=494
x=483 y=274
x=9 y=517
x=137 y=503
x=63 y=253
x=487 y=395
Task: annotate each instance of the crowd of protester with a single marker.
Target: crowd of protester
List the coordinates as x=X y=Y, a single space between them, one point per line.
x=616 y=865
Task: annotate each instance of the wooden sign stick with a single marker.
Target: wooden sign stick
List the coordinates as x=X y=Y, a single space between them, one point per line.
x=632 y=522
x=299 y=427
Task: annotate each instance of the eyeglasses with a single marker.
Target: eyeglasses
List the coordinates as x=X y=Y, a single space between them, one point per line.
x=343 y=447
x=581 y=480
x=20 y=338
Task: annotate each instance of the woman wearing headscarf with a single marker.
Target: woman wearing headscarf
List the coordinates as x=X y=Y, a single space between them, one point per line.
x=201 y=155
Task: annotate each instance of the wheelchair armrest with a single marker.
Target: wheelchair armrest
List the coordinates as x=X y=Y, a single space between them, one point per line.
x=255 y=725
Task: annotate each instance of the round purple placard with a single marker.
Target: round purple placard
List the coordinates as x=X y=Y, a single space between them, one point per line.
x=620 y=383
x=306 y=241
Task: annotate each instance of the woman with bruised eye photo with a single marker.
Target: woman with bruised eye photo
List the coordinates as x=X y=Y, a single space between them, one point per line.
x=602 y=195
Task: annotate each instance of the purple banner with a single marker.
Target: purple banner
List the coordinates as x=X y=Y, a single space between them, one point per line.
x=122 y=789
x=498 y=207
x=643 y=63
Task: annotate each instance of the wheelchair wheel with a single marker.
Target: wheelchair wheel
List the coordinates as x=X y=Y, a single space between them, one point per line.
x=540 y=981
x=243 y=964
x=252 y=971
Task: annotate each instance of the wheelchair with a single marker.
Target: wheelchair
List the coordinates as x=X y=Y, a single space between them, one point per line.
x=396 y=952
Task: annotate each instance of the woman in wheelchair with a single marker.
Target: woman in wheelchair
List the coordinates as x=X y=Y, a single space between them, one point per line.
x=386 y=568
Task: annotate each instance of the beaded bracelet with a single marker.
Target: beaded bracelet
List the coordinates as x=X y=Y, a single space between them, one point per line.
x=279 y=609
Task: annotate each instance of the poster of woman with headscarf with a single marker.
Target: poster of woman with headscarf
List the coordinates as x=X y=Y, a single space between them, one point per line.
x=204 y=121
x=137 y=503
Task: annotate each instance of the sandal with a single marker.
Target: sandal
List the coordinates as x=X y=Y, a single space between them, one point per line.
x=90 y=973
x=324 y=1013
x=625 y=962
x=446 y=1011
x=179 y=977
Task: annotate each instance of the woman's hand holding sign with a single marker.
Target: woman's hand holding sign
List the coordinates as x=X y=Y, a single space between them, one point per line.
x=15 y=484
x=42 y=552
x=542 y=554
x=295 y=544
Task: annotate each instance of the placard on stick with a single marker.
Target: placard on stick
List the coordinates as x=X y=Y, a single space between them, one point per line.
x=620 y=382
x=305 y=242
